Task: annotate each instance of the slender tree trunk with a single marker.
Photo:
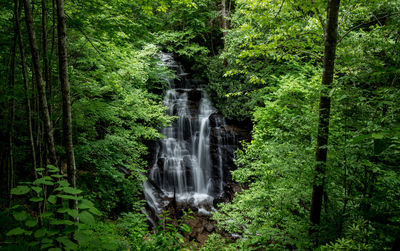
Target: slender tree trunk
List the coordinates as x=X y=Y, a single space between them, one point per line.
x=40 y=83
x=53 y=40
x=66 y=99
x=46 y=69
x=224 y=16
x=3 y=170
x=53 y=28
x=11 y=111
x=28 y=105
x=324 y=114
x=27 y=99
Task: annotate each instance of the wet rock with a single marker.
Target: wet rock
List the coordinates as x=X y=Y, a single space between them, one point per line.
x=201 y=227
x=215 y=119
x=187 y=162
x=194 y=95
x=210 y=227
x=230 y=189
x=187 y=132
x=160 y=162
x=242 y=129
x=197 y=83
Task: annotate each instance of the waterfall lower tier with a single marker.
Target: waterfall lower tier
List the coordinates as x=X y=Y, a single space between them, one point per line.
x=190 y=162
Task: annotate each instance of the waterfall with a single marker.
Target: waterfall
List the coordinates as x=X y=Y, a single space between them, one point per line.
x=183 y=166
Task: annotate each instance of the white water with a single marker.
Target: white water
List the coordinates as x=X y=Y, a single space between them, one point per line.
x=183 y=168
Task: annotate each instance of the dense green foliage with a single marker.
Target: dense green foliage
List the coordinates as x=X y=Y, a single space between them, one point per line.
x=43 y=231
x=274 y=52
x=117 y=85
x=266 y=70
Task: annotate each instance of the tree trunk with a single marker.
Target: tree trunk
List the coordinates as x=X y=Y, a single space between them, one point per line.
x=225 y=25
x=27 y=99
x=40 y=83
x=46 y=69
x=66 y=99
x=53 y=28
x=11 y=111
x=324 y=113
x=224 y=21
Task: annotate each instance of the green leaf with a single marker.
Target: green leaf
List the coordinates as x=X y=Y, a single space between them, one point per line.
x=61 y=222
x=58 y=176
x=33 y=243
x=63 y=183
x=52 y=232
x=48 y=183
x=52 y=199
x=69 y=197
x=94 y=211
x=185 y=228
x=361 y=138
x=31 y=223
x=69 y=229
x=16 y=231
x=37 y=189
x=62 y=210
x=46 y=241
x=16 y=207
x=69 y=245
x=82 y=236
x=20 y=190
x=378 y=135
x=86 y=218
x=46 y=180
x=52 y=169
x=85 y=204
x=40 y=233
x=20 y=216
x=46 y=246
x=36 y=199
x=73 y=213
x=46 y=214
x=55 y=249
x=69 y=190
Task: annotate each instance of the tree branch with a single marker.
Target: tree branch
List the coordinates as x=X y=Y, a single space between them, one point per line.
x=321 y=20
x=84 y=34
x=280 y=9
x=366 y=23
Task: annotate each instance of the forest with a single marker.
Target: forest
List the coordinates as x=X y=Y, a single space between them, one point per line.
x=199 y=125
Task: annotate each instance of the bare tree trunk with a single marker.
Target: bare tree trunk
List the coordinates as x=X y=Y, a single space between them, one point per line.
x=225 y=25
x=27 y=99
x=46 y=69
x=53 y=28
x=224 y=21
x=66 y=99
x=324 y=114
x=11 y=111
x=28 y=105
x=40 y=83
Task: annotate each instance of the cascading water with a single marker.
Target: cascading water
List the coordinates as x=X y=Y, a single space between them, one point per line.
x=183 y=167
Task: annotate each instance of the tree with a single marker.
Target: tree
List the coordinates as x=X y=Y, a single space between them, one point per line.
x=11 y=110
x=224 y=16
x=324 y=112
x=49 y=134
x=26 y=88
x=66 y=99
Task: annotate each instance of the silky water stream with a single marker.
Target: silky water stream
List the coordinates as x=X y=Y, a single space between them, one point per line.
x=190 y=164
